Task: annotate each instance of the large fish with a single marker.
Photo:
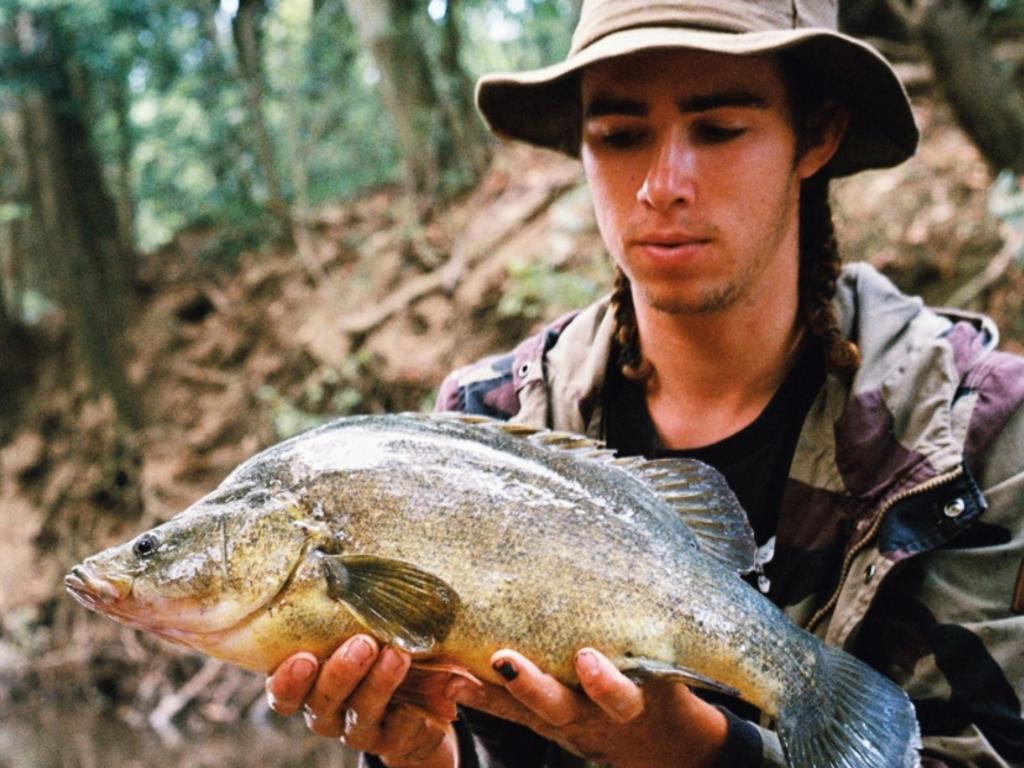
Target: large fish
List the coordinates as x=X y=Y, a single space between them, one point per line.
x=452 y=537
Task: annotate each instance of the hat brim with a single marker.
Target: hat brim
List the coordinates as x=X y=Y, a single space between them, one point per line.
x=542 y=106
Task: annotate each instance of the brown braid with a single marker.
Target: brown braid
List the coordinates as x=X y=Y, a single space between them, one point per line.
x=820 y=264
x=627 y=336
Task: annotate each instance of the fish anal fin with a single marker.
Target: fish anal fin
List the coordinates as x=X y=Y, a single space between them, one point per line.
x=639 y=669
x=399 y=602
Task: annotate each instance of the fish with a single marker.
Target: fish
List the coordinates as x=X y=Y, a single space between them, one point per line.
x=453 y=536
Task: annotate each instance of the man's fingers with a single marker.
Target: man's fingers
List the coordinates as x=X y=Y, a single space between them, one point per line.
x=607 y=687
x=291 y=682
x=408 y=736
x=539 y=692
x=492 y=699
x=365 y=708
x=339 y=677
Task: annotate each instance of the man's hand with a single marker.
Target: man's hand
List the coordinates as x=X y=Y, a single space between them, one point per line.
x=352 y=698
x=612 y=721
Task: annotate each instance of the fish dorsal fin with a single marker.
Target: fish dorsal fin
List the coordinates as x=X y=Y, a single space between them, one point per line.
x=701 y=497
x=697 y=493
x=578 y=445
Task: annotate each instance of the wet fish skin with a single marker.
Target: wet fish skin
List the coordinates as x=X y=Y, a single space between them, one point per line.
x=454 y=539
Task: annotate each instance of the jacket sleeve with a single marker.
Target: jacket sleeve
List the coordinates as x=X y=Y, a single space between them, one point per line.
x=968 y=692
x=950 y=625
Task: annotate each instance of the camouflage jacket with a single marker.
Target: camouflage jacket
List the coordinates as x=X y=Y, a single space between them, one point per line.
x=901 y=531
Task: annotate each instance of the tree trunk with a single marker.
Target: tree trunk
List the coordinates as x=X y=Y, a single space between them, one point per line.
x=125 y=151
x=245 y=29
x=224 y=153
x=872 y=18
x=78 y=217
x=982 y=95
x=467 y=129
x=299 y=150
x=433 y=166
x=405 y=86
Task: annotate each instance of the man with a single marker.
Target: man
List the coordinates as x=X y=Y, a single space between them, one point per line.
x=877 y=446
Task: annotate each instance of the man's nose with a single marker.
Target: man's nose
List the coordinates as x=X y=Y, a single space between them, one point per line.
x=670 y=176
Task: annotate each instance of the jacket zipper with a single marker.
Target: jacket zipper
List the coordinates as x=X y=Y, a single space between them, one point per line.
x=924 y=487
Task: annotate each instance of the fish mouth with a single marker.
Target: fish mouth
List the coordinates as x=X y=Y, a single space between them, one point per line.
x=108 y=595
x=96 y=592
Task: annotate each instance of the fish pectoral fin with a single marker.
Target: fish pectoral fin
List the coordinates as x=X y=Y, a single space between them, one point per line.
x=639 y=669
x=399 y=602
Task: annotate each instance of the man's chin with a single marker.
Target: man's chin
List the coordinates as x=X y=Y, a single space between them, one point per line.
x=681 y=304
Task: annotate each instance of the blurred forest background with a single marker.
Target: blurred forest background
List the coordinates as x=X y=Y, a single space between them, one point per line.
x=224 y=222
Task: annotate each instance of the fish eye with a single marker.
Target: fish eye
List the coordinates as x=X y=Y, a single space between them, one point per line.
x=146 y=545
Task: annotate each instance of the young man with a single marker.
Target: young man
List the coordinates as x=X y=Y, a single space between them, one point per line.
x=878 y=446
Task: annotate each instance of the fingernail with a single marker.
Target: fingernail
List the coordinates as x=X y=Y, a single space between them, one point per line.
x=390 y=660
x=506 y=669
x=358 y=650
x=588 y=663
x=302 y=669
x=271 y=700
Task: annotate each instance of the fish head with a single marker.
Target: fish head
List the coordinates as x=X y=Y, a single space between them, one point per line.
x=203 y=573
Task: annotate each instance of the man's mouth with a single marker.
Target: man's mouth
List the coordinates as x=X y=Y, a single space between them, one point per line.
x=673 y=238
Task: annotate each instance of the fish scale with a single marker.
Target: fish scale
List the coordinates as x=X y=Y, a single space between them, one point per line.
x=453 y=537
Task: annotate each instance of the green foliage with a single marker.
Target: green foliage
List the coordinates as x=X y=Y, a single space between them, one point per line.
x=286 y=418
x=159 y=84
x=324 y=395
x=517 y=34
x=538 y=289
x=1006 y=204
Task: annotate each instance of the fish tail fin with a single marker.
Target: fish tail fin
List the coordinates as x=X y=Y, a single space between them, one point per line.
x=857 y=718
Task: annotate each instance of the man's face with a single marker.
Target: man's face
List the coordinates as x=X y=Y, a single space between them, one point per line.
x=691 y=160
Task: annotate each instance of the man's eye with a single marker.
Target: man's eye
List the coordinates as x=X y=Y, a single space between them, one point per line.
x=717 y=134
x=621 y=139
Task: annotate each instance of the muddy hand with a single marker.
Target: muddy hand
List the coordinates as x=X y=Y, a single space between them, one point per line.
x=352 y=698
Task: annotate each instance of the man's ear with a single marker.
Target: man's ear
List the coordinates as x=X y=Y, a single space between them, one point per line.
x=823 y=134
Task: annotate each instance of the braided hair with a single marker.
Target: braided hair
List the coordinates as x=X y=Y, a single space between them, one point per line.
x=630 y=357
x=820 y=264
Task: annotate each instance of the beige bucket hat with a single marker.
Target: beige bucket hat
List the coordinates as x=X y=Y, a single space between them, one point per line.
x=542 y=106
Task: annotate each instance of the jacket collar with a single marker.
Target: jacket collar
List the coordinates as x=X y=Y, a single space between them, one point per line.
x=900 y=422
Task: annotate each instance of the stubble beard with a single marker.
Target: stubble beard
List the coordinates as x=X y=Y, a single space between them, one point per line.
x=709 y=302
x=719 y=298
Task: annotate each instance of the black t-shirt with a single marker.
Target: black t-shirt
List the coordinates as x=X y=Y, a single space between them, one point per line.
x=755 y=461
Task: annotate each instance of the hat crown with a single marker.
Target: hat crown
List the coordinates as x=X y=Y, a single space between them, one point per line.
x=599 y=18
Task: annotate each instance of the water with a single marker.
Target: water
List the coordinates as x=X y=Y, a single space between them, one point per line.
x=36 y=736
